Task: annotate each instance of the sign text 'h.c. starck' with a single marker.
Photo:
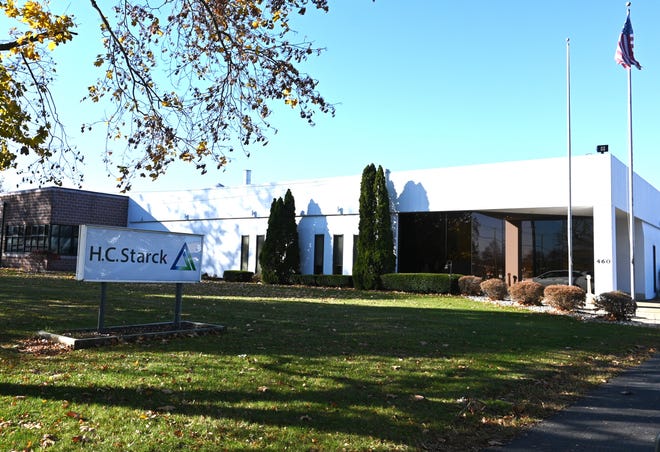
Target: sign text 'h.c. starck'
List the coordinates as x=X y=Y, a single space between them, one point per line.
x=113 y=254
x=132 y=255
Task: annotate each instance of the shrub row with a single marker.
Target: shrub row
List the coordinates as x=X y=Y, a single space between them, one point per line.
x=237 y=276
x=342 y=281
x=420 y=282
x=619 y=305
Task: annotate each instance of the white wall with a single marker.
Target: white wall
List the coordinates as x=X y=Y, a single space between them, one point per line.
x=331 y=207
x=223 y=215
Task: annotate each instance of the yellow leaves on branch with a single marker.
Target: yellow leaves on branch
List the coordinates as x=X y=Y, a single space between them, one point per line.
x=39 y=24
x=288 y=99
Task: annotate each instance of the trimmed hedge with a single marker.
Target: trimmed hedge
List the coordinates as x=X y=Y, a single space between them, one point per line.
x=342 y=281
x=420 y=282
x=528 y=293
x=564 y=298
x=617 y=304
x=494 y=289
x=237 y=276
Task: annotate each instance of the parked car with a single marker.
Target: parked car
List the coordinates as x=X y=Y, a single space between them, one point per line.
x=561 y=277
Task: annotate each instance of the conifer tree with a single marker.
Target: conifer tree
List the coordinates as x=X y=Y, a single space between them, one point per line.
x=385 y=260
x=292 y=246
x=269 y=257
x=375 y=247
x=280 y=255
x=364 y=276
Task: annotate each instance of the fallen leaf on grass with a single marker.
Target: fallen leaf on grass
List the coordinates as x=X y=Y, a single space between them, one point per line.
x=262 y=389
x=149 y=415
x=74 y=415
x=80 y=439
x=48 y=440
x=417 y=398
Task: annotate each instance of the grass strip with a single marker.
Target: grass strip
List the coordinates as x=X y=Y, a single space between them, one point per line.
x=297 y=368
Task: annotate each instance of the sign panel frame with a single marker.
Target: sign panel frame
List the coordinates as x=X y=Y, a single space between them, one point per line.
x=115 y=254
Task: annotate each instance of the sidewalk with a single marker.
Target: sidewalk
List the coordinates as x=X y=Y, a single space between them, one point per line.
x=648 y=312
x=621 y=415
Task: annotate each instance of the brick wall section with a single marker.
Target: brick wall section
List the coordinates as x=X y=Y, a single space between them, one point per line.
x=84 y=207
x=55 y=205
x=26 y=207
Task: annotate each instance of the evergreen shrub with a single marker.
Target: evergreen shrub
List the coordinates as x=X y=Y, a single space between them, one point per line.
x=619 y=305
x=470 y=285
x=341 y=281
x=564 y=298
x=237 y=276
x=494 y=289
x=420 y=282
x=528 y=293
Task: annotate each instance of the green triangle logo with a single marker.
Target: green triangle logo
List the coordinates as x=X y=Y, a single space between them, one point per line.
x=184 y=260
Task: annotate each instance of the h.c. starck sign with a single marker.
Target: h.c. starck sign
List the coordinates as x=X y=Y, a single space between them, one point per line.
x=134 y=255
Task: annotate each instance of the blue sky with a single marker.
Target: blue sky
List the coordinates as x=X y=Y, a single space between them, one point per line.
x=432 y=83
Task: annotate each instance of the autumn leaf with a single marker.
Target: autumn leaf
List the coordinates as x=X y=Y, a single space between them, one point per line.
x=74 y=415
x=48 y=440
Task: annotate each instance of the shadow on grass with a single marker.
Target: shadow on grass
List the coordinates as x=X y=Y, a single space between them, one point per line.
x=423 y=374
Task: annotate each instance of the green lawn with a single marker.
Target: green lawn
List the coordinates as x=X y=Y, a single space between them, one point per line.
x=297 y=368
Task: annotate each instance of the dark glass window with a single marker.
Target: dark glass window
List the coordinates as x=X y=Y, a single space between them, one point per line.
x=64 y=240
x=57 y=239
x=14 y=236
x=318 y=254
x=338 y=255
x=473 y=242
x=544 y=245
x=487 y=246
x=245 y=251
x=260 y=245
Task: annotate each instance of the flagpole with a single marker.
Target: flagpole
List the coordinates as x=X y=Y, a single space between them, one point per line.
x=631 y=213
x=624 y=56
x=569 y=219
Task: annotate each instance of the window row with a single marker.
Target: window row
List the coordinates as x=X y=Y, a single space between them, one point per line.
x=54 y=238
x=319 y=253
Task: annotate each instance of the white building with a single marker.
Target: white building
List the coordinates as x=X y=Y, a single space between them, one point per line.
x=506 y=220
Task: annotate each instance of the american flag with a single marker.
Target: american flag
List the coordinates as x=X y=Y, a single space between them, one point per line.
x=624 y=50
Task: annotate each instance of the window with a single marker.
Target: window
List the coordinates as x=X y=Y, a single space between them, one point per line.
x=36 y=237
x=14 y=239
x=260 y=245
x=318 y=254
x=338 y=255
x=54 y=238
x=245 y=252
x=544 y=245
x=472 y=241
x=63 y=239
